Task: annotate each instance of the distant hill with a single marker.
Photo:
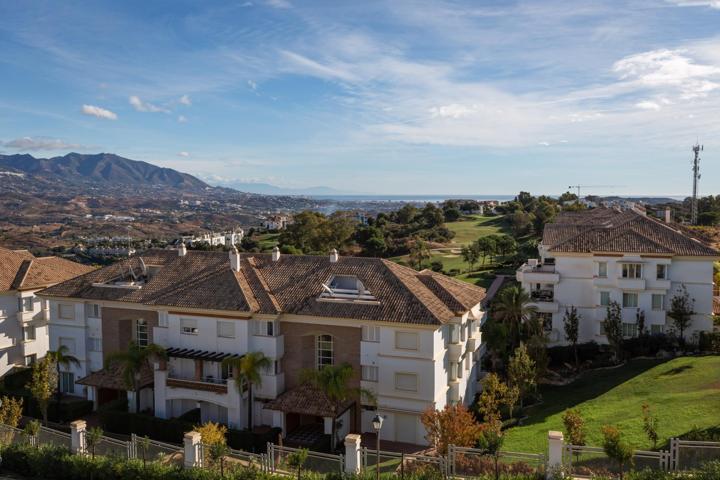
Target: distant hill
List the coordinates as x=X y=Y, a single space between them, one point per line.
x=101 y=168
x=267 y=189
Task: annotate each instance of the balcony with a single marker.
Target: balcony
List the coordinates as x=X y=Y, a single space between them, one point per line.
x=270 y=386
x=455 y=351
x=631 y=283
x=473 y=343
x=603 y=282
x=205 y=384
x=658 y=284
x=547 y=296
x=272 y=347
x=537 y=273
x=25 y=317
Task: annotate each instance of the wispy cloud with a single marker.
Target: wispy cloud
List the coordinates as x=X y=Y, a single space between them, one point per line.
x=648 y=105
x=185 y=100
x=279 y=3
x=181 y=119
x=99 y=112
x=141 y=106
x=41 y=143
x=697 y=3
x=183 y=154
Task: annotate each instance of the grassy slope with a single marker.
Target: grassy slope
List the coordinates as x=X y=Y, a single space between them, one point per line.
x=683 y=393
x=473 y=227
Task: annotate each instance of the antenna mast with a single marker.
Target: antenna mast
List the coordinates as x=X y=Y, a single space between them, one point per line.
x=697 y=148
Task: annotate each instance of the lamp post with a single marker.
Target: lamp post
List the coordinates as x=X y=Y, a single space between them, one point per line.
x=377 y=422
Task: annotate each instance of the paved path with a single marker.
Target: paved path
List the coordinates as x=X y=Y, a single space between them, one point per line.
x=494 y=287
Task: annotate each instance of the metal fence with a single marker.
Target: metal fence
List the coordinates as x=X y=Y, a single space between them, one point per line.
x=280 y=460
x=593 y=461
x=471 y=462
x=146 y=449
x=689 y=454
x=49 y=436
x=398 y=463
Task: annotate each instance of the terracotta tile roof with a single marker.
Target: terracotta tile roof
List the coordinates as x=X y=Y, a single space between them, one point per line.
x=112 y=378
x=293 y=284
x=20 y=270
x=307 y=400
x=609 y=230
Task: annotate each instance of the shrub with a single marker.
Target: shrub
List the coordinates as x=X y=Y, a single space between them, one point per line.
x=561 y=355
x=68 y=410
x=710 y=342
x=648 y=345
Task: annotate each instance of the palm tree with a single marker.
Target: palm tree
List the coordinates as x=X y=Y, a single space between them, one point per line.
x=514 y=309
x=62 y=358
x=248 y=369
x=132 y=361
x=334 y=381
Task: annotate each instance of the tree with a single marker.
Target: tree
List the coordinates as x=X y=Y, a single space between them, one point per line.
x=297 y=459
x=248 y=370
x=143 y=445
x=32 y=430
x=485 y=246
x=470 y=254
x=537 y=349
x=62 y=358
x=494 y=395
x=640 y=320
x=490 y=442
x=334 y=381
x=682 y=308
x=574 y=426
x=43 y=383
x=571 y=322
x=521 y=372
x=520 y=223
x=513 y=307
x=213 y=435
x=419 y=251
x=613 y=328
x=505 y=244
x=93 y=436
x=650 y=423
x=616 y=448
x=132 y=362
x=453 y=425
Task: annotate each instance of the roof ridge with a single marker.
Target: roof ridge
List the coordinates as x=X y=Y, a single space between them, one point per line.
x=263 y=282
x=21 y=274
x=392 y=266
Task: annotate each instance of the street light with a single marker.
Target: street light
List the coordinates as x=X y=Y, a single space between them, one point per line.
x=377 y=422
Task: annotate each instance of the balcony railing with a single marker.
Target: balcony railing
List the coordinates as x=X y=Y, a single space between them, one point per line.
x=208 y=384
x=542 y=295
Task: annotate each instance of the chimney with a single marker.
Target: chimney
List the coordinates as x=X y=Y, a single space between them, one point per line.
x=182 y=251
x=668 y=215
x=334 y=256
x=234 y=259
x=275 y=254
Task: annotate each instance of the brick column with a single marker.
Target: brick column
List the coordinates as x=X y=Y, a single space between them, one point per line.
x=352 y=454
x=193 y=455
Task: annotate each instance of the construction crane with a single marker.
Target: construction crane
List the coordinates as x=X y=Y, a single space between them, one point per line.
x=578 y=187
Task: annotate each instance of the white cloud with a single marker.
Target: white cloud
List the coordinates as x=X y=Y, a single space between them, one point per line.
x=99 y=112
x=182 y=119
x=279 y=3
x=41 y=143
x=696 y=3
x=183 y=154
x=648 y=105
x=141 y=106
x=308 y=66
x=544 y=144
x=454 y=110
x=185 y=100
x=252 y=85
x=669 y=69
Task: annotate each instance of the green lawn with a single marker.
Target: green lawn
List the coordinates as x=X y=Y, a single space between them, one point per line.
x=683 y=393
x=472 y=227
x=267 y=241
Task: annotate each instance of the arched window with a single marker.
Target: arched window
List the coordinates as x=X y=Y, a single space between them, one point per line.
x=324 y=350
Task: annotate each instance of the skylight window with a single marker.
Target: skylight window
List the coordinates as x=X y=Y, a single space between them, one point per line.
x=346 y=287
x=130 y=278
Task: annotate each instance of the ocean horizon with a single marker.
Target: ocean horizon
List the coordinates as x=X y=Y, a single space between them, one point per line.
x=441 y=198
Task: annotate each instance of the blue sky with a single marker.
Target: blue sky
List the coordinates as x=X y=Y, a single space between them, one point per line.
x=477 y=97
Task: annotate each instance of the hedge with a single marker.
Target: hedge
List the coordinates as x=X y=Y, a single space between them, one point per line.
x=115 y=418
x=69 y=409
x=710 y=342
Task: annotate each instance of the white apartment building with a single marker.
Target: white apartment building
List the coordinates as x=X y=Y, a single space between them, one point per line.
x=591 y=258
x=23 y=316
x=411 y=337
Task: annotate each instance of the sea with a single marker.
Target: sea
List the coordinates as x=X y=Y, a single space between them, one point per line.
x=410 y=198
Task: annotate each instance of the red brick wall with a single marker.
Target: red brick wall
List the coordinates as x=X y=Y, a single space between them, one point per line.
x=118 y=327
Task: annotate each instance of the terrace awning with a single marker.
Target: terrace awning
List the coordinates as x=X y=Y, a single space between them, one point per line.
x=193 y=354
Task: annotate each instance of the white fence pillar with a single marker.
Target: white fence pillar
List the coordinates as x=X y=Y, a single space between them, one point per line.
x=556 y=444
x=77 y=436
x=352 y=453
x=193 y=454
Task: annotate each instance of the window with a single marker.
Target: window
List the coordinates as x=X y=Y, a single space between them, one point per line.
x=93 y=310
x=629 y=329
x=632 y=270
x=370 y=333
x=67 y=382
x=602 y=269
x=30 y=359
x=460 y=368
x=662 y=272
x=630 y=300
x=406 y=382
x=657 y=329
x=406 y=340
x=225 y=371
x=25 y=304
x=188 y=326
x=226 y=329
x=370 y=373
x=95 y=344
x=163 y=319
x=346 y=287
x=658 y=301
x=66 y=312
x=454 y=333
x=604 y=299
x=264 y=328
x=141 y=332
x=29 y=333
x=324 y=350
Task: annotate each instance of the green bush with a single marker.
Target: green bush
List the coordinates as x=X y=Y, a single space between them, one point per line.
x=710 y=342
x=68 y=410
